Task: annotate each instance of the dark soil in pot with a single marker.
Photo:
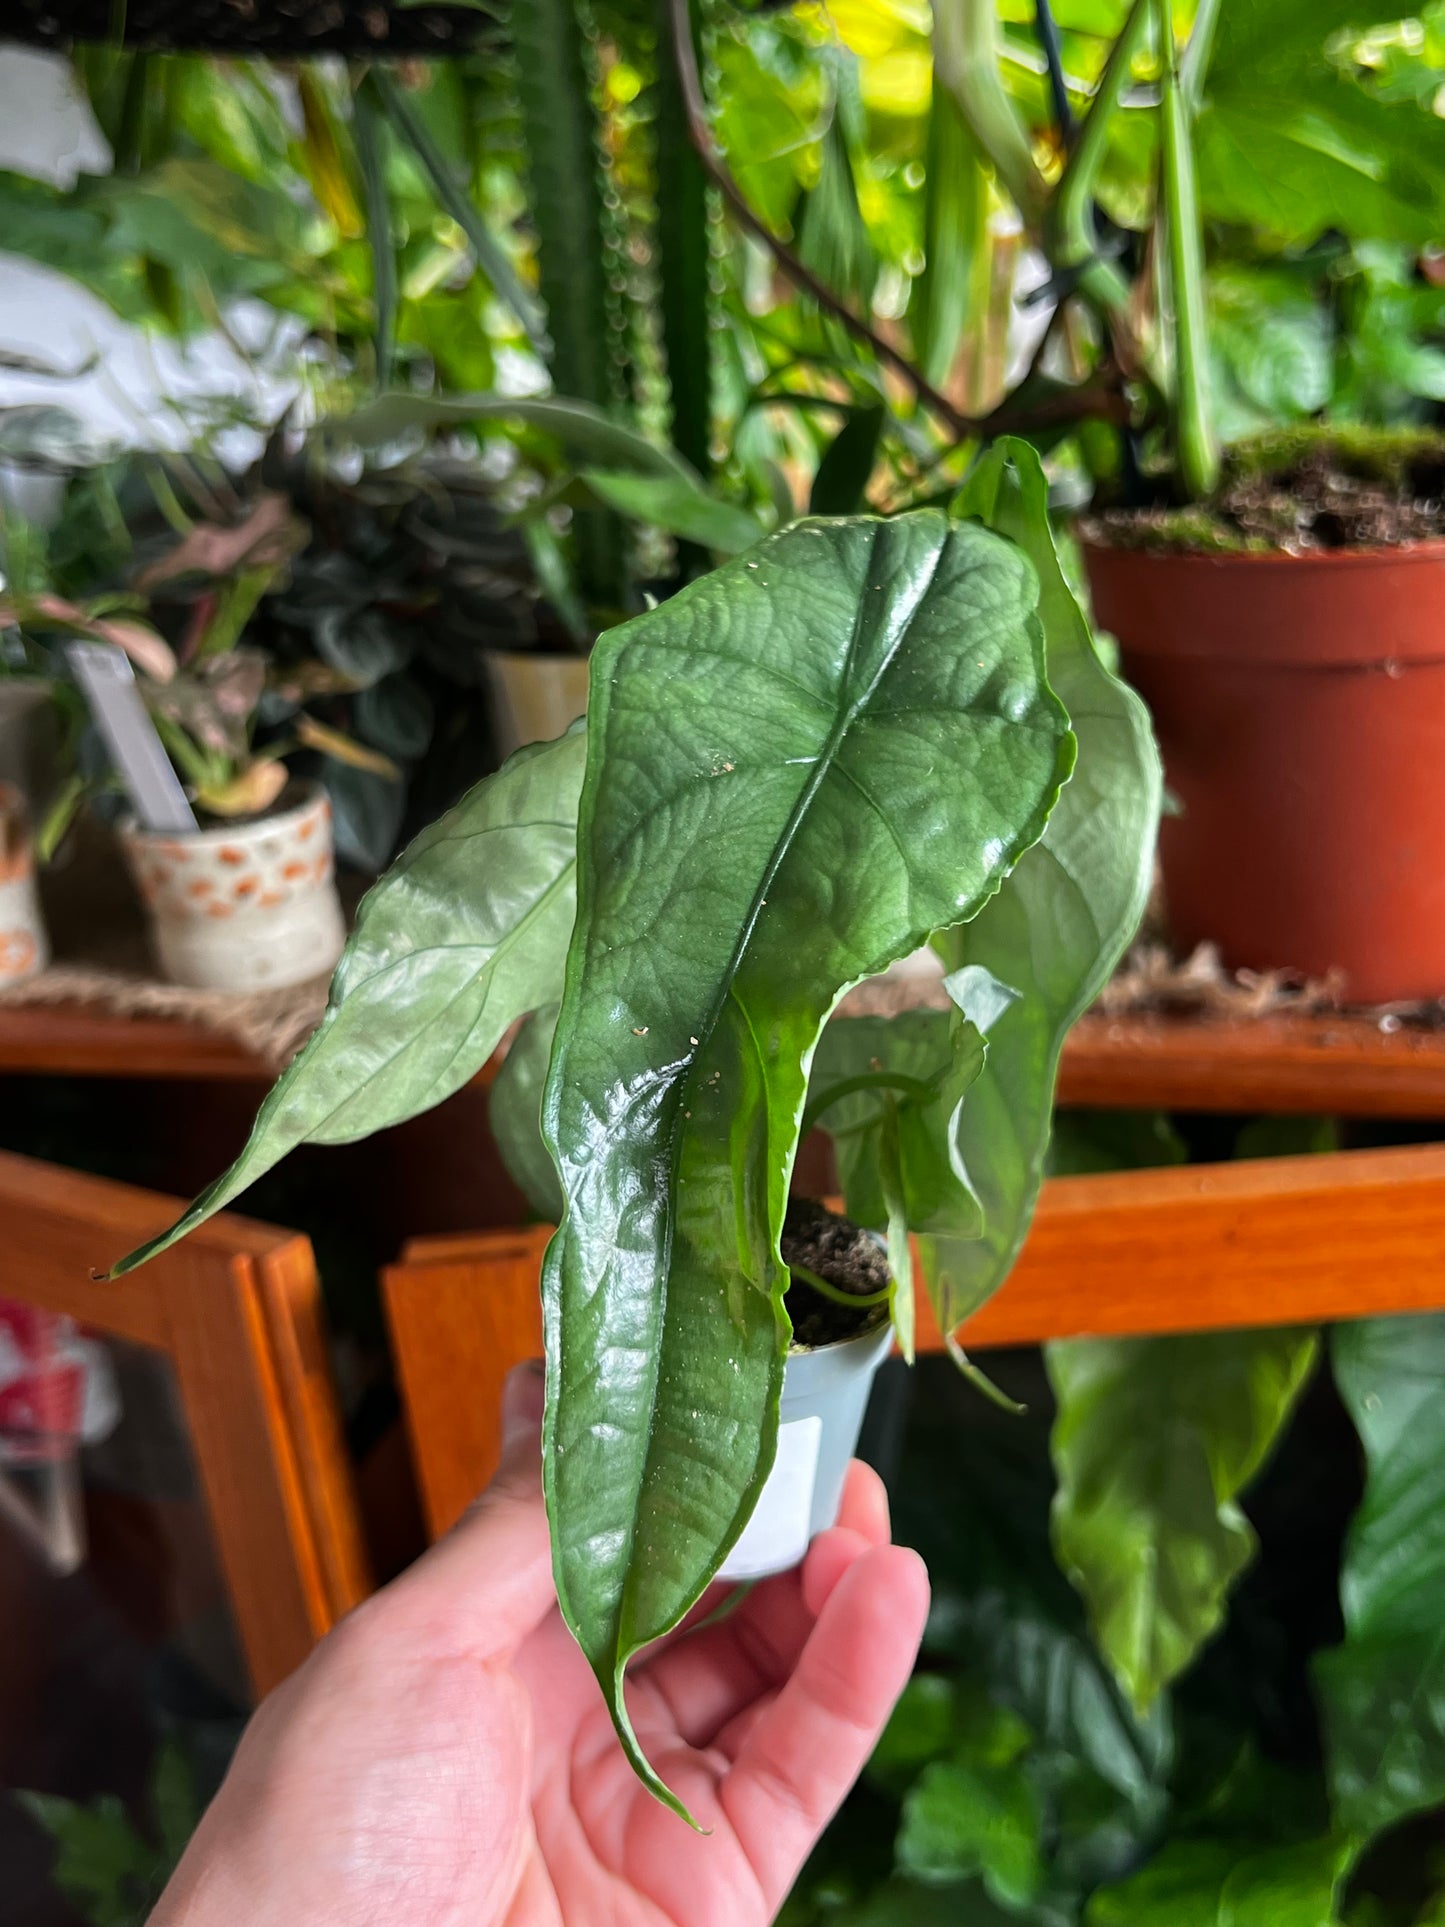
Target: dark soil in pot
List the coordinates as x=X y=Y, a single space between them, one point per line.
x=847 y=1257
x=1298 y=692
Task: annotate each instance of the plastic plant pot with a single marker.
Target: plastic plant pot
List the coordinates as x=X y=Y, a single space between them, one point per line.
x=1300 y=707
x=825 y=1394
x=245 y=907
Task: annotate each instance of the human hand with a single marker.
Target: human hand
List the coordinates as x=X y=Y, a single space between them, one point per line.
x=445 y=1756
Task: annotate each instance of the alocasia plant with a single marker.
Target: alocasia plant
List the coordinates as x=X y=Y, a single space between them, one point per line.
x=800 y=769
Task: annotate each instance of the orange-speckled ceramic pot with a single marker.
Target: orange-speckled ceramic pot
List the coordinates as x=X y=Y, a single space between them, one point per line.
x=249 y=906
x=23 y=949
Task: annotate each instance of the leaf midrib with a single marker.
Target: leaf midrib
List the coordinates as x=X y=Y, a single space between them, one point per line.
x=803 y=802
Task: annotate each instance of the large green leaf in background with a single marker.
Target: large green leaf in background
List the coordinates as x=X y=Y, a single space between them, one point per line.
x=1227 y=1883
x=463 y=935
x=1154 y=1441
x=1061 y=922
x=1383 y=1690
x=797 y=769
x=1293 y=145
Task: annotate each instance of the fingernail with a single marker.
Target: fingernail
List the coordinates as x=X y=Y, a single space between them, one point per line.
x=522 y=1399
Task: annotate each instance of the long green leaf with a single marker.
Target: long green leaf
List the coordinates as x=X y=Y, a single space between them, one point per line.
x=1383 y=1690
x=1154 y=1441
x=797 y=768
x=462 y=936
x=488 y=253
x=944 y=301
x=1061 y=922
x=585 y=432
x=366 y=129
x=514 y=1111
x=682 y=508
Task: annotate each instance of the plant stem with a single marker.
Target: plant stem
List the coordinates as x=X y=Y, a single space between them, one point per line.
x=915 y=1087
x=683 y=263
x=1195 y=64
x=1048 y=32
x=965 y=60
x=1196 y=449
x=838 y=1296
x=489 y=255
x=801 y=276
x=1070 y=238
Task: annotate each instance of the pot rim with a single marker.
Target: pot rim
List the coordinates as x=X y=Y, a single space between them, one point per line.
x=310 y=796
x=1381 y=555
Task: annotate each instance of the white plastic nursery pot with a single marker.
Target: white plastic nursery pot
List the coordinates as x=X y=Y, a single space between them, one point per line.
x=23 y=948
x=825 y=1394
x=534 y=695
x=249 y=906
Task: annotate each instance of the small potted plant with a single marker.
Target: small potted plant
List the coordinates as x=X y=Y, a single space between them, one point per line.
x=1279 y=607
x=1286 y=634
x=247 y=899
x=854 y=738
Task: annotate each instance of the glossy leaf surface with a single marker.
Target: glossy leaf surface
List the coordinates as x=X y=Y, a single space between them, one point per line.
x=1383 y=1690
x=797 y=768
x=514 y=1111
x=1154 y=1441
x=463 y=935
x=1061 y=922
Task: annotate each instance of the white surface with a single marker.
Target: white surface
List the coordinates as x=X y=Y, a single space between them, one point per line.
x=776 y=1536
x=136 y=393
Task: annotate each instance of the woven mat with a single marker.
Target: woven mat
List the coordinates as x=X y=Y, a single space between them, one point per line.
x=102 y=959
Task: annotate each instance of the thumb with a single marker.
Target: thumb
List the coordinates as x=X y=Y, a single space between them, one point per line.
x=492 y=1572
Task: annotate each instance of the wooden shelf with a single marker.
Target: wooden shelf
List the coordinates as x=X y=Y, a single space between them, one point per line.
x=81 y=1040
x=1344 y=1066
x=1347 y=1066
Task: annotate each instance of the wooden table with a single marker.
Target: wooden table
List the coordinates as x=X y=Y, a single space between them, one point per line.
x=1340 y=1065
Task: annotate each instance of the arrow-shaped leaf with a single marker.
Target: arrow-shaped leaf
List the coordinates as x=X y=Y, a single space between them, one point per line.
x=463 y=935
x=1060 y=923
x=797 y=769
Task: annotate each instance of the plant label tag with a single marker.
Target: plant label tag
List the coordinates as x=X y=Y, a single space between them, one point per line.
x=108 y=684
x=777 y=1535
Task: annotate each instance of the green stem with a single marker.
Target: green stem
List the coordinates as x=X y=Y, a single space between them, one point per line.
x=915 y=1087
x=488 y=253
x=1196 y=449
x=1071 y=240
x=965 y=58
x=365 y=123
x=980 y=1380
x=1195 y=64
x=839 y=1297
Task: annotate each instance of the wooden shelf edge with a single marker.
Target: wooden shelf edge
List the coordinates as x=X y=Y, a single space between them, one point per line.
x=1341 y=1065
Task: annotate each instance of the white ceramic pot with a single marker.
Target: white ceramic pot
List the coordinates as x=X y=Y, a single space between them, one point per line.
x=825 y=1394
x=23 y=948
x=249 y=906
x=534 y=696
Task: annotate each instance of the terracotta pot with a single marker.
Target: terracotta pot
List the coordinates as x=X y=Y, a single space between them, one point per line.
x=534 y=695
x=249 y=906
x=1300 y=708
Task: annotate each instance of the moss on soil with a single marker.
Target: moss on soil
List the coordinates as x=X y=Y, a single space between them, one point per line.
x=1301 y=489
